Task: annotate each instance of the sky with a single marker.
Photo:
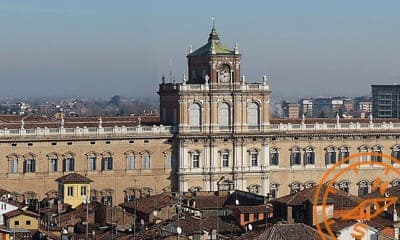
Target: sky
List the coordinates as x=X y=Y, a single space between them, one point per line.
x=123 y=47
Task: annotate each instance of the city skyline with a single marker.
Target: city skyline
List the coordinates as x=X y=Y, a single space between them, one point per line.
x=86 y=49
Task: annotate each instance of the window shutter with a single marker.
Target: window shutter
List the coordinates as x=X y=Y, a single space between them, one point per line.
x=72 y=164
x=110 y=163
x=24 y=166
x=33 y=165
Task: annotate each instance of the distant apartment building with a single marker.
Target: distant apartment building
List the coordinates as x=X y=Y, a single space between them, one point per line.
x=306 y=107
x=386 y=101
x=291 y=110
x=362 y=107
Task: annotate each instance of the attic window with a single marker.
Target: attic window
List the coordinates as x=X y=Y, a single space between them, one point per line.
x=13 y=144
x=53 y=143
x=69 y=143
x=131 y=141
x=225 y=139
x=92 y=143
x=30 y=144
x=146 y=141
x=107 y=142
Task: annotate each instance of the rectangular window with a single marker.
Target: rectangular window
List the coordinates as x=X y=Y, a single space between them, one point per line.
x=28 y=222
x=70 y=191
x=83 y=191
x=53 y=165
x=92 y=163
x=196 y=160
x=16 y=223
x=131 y=162
x=310 y=158
x=107 y=163
x=254 y=159
x=295 y=158
x=274 y=158
x=344 y=154
x=246 y=217
x=69 y=164
x=29 y=166
x=225 y=160
x=13 y=166
x=146 y=161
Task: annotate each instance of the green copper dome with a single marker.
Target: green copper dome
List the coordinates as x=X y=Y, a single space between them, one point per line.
x=213 y=46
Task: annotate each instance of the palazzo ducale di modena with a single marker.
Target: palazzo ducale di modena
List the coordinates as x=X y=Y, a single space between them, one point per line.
x=214 y=132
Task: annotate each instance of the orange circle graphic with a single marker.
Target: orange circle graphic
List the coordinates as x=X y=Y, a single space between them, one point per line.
x=339 y=169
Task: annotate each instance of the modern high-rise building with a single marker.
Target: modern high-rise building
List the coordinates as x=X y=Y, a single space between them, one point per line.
x=386 y=101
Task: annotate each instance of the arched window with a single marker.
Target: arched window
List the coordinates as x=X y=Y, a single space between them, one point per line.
x=295 y=187
x=274 y=190
x=195 y=116
x=378 y=151
x=295 y=156
x=91 y=160
x=330 y=155
x=363 y=188
x=396 y=153
x=13 y=163
x=168 y=159
x=53 y=161
x=364 y=153
x=224 y=116
x=130 y=160
x=344 y=153
x=343 y=186
x=274 y=157
x=253 y=116
x=69 y=162
x=309 y=156
x=254 y=188
x=29 y=163
x=395 y=182
x=146 y=160
x=106 y=197
x=309 y=184
x=106 y=161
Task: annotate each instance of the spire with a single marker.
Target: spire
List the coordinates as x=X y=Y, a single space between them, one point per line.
x=236 y=49
x=213 y=34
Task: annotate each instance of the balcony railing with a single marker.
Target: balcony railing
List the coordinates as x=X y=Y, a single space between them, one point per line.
x=84 y=131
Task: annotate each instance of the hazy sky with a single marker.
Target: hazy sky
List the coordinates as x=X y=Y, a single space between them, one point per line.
x=95 y=47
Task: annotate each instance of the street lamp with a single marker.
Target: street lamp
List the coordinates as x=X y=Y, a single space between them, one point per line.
x=86 y=201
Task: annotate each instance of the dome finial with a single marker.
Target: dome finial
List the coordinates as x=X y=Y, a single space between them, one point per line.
x=213 y=34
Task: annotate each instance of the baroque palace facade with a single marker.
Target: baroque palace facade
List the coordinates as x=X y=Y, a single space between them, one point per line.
x=214 y=132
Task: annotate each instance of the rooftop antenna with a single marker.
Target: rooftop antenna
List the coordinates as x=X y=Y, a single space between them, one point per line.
x=213 y=22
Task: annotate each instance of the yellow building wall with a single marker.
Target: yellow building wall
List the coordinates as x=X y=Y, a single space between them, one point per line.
x=77 y=198
x=23 y=222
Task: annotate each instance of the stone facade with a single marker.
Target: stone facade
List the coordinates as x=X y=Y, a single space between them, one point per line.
x=214 y=132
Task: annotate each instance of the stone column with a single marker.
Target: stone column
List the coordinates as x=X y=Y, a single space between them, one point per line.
x=265 y=154
x=265 y=184
x=206 y=162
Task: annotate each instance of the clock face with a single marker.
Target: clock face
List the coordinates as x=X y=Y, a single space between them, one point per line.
x=224 y=74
